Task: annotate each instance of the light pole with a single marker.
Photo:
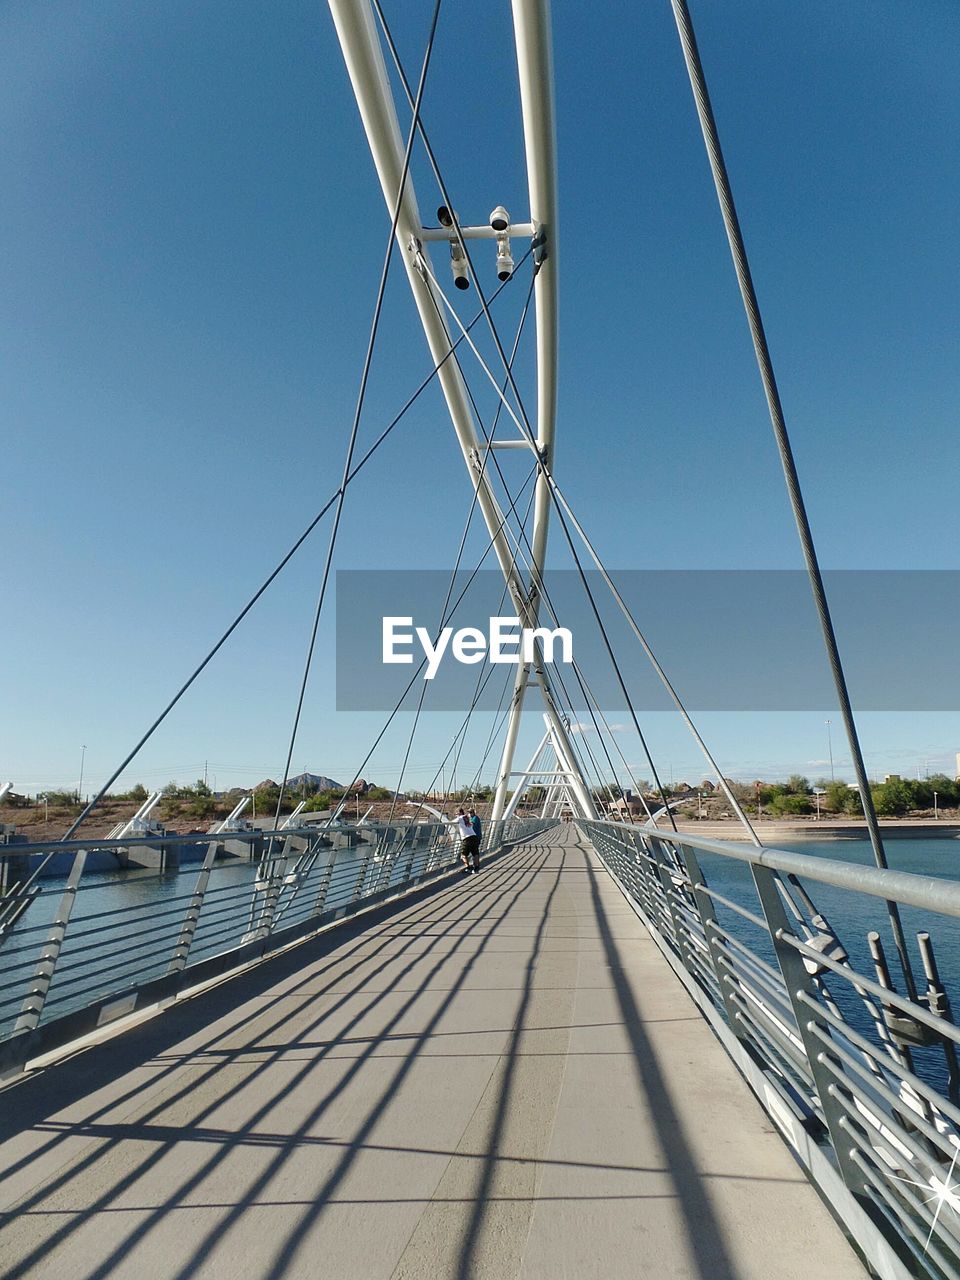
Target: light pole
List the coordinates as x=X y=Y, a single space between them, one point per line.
x=83 y=752
x=818 y=792
x=935 y=814
x=830 y=751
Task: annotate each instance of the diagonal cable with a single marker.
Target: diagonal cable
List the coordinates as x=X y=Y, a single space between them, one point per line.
x=377 y=312
x=731 y=222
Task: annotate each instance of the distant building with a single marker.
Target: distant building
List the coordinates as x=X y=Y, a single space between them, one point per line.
x=628 y=803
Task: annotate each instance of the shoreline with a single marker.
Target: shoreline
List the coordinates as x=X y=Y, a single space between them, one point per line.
x=825 y=829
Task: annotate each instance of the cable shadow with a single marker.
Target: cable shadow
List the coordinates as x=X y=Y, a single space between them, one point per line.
x=112 y=1060
x=704 y=1235
x=492 y=1155
x=61 y=1084
x=287 y=1251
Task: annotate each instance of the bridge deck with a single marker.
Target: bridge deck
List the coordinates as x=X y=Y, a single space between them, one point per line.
x=503 y=1080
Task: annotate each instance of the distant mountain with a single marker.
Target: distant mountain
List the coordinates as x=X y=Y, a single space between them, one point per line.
x=315 y=781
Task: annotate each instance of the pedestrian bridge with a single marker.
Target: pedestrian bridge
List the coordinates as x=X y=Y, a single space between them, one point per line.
x=493 y=1076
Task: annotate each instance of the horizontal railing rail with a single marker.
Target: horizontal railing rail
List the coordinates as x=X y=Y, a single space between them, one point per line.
x=862 y=1081
x=83 y=947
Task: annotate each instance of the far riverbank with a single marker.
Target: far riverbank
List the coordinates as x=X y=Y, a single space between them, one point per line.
x=771 y=831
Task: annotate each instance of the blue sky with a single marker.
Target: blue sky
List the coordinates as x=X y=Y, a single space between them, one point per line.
x=191 y=235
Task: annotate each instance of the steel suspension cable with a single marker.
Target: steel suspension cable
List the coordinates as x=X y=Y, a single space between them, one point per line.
x=524 y=426
x=425 y=685
x=711 y=137
x=361 y=396
x=536 y=578
x=264 y=586
x=564 y=505
x=462 y=245
x=473 y=506
x=482 y=680
x=464 y=249
x=454 y=607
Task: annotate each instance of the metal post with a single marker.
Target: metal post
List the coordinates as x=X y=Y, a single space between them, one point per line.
x=188 y=929
x=278 y=868
x=797 y=982
x=708 y=919
x=324 y=887
x=665 y=868
x=32 y=1007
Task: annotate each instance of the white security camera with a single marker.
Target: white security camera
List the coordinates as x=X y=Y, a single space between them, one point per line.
x=458 y=265
x=504 y=257
x=445 y=217
x=499 y=219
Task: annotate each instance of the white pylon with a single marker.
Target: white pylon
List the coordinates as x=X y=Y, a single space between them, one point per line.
x=363 y=54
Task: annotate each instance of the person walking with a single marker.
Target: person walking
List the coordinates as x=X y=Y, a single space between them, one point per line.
x=478 y=832
x=469 y=844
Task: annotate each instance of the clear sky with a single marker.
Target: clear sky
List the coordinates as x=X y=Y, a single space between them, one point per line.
x=191 y=234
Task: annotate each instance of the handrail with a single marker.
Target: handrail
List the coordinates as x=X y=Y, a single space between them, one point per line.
x=907 y=887
x=862 y=1081
x=87 y=959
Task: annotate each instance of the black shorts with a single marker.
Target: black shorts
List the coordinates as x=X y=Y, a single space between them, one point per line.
x=470 y=847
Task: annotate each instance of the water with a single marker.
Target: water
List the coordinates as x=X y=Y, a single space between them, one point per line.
x=125 y=925
x=853 y=916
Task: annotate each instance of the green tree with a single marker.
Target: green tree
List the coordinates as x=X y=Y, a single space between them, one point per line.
x=202 y=806
x=376 y=793
x=797 y=784
x=892 y=798
x=836 y=798
x=137 y=792
x=852 y=803
x=948 y=792
x=790 y=804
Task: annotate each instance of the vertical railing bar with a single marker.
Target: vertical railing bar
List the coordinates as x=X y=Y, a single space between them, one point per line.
x=324 y=887
x=796 y=981
x=707 y=913
x=32 y=1008
x=181 y=949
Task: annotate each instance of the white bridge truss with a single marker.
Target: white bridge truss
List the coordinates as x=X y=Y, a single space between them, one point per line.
x=363 y=53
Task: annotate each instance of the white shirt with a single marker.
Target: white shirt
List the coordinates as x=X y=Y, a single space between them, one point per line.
x=464 y=827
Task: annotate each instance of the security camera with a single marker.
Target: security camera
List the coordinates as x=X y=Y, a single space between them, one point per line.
x=499 y=219
x=458 y=265
x=445 y=217
x=504 y=257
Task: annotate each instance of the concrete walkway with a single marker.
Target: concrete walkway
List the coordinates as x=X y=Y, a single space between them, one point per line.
x=503 y=1080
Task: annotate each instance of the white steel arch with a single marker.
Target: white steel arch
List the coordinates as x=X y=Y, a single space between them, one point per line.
x=363 y=54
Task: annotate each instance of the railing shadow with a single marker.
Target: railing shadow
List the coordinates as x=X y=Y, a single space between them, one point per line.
x=40 y=1096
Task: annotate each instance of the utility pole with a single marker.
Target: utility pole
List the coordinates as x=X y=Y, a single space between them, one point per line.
x=83 y=752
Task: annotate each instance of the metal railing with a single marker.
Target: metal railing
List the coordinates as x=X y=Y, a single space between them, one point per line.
x=861 y=1081
x=79 y=948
